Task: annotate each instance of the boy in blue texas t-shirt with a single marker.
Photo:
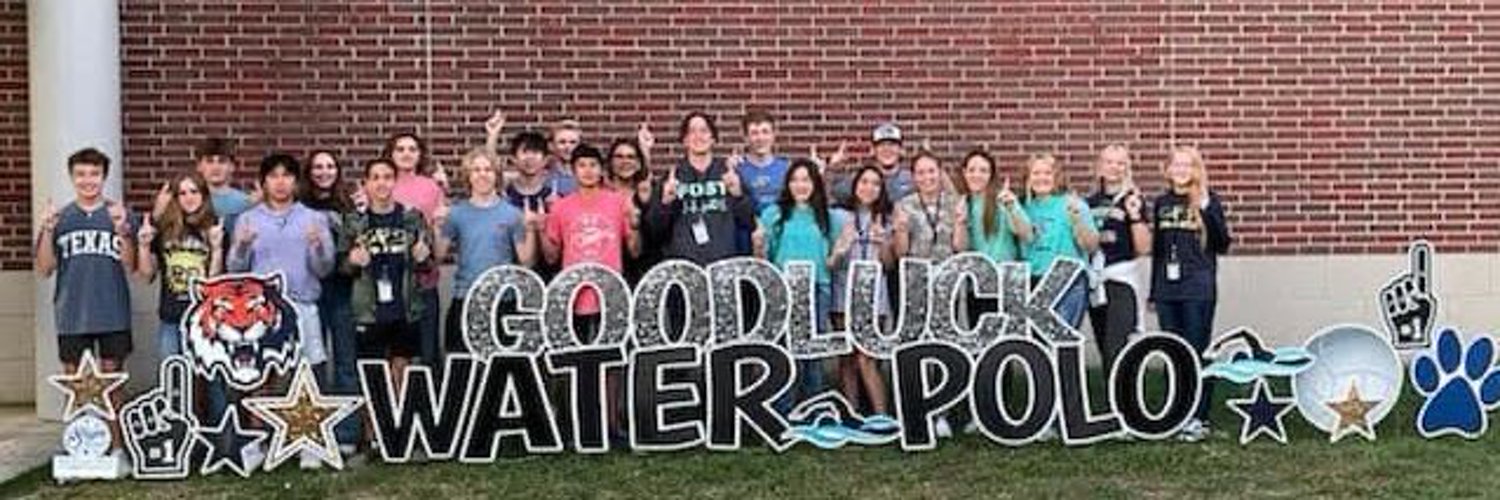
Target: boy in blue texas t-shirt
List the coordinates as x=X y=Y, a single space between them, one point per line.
x=90 y=246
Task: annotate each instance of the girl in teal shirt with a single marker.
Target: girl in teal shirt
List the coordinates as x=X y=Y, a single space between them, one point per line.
x=996 y=221
x=799 y=227
x=1062 y=228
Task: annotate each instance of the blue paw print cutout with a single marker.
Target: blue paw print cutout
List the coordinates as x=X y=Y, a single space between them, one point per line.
x=1461 y=384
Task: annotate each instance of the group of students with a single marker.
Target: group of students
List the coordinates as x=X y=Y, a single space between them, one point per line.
x=360 y=260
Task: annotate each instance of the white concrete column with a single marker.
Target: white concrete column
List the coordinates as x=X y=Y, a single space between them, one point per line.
x=74 y=71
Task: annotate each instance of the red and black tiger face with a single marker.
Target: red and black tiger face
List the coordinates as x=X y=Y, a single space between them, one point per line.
x=242 y=325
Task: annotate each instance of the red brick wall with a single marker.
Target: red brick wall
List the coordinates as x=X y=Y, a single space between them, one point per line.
x=1337 y=127
x=15 y=153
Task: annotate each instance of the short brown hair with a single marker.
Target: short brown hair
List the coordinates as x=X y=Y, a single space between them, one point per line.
x=564 y=124
x=89 y=156
x=214 y=146
x=757 y=115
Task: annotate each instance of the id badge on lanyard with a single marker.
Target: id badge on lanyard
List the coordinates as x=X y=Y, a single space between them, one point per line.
x=385 y=291
x=934 y=218
x=1174 y=266
x=700 y=231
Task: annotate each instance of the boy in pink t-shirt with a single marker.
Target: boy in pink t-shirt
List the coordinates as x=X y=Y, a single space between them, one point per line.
x=419 y=192
x=593 y=225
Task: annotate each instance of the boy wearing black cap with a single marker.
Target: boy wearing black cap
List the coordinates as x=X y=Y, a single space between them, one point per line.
x=888 y=151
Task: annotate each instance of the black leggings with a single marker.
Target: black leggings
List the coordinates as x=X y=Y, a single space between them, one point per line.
x=1114 y=322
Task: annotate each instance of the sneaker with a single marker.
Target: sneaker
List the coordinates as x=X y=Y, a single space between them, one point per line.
x=1193 y=432
x=308 y=459
x=122 y=462
x=254 y=456
x=353 y=460
x=944 y=430
x=972 y=427
x=350 y=456
x=880 y=423
x=1048 y=434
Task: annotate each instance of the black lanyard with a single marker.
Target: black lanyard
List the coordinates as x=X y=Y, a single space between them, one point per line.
x=934 y=217
x=861 y=230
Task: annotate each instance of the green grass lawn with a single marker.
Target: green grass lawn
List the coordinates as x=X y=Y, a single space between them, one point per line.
x=1400 y=465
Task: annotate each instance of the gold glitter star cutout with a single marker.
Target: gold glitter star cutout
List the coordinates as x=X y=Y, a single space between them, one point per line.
x=1353 y=415
x=89 y=389
x=303 y=419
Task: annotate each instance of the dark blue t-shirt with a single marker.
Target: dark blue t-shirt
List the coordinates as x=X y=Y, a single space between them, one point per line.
x=92 y=294
x=1191 y=239
x=389 y=244
x=1115 y=240
x=534 y=200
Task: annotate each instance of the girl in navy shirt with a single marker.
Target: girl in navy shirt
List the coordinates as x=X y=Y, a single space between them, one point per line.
x=1189 y=234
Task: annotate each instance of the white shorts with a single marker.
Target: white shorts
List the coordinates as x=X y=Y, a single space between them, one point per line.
x=310 y=330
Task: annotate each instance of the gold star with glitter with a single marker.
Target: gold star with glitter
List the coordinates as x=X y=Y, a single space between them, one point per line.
x=303 y=419
x=89 y=389
x=1353 y=413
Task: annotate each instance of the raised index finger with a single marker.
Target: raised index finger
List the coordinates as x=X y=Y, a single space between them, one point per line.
x=1421 y=264
x=176 y=379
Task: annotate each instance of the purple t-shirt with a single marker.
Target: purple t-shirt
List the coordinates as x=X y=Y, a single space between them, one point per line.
x=281 y=245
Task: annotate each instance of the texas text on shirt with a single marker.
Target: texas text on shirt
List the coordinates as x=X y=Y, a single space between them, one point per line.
x=92 y=294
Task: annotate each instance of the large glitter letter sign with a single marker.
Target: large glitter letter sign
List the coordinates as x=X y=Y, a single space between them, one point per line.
x=762 y=279
x=947 y=295
x=482 y=309
x=686 y=360
x=653 y=304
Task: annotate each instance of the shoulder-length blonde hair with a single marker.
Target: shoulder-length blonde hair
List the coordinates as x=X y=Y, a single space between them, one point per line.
x=471 y=159
x=1060 y=184
x=1200 y=170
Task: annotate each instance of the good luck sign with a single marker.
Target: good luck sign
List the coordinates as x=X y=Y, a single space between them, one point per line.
x=678 y=362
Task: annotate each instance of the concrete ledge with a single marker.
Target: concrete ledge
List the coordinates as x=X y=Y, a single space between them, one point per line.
x=25 y=443
x=1287 y=299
